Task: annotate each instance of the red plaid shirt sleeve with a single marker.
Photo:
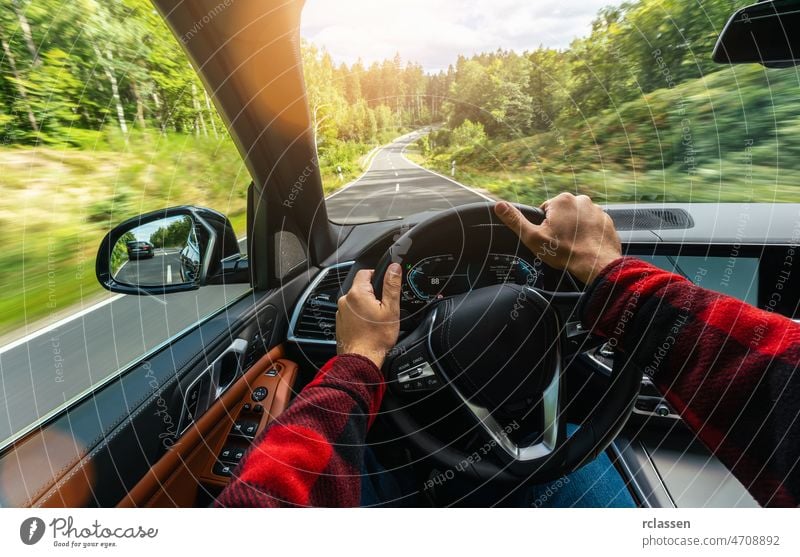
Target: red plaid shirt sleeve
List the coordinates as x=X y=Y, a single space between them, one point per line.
x=729 y=369
x=311 y=454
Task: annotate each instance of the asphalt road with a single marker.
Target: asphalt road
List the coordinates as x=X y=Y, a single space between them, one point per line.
x=163 y=268
x=394 y=187
x=42 y=371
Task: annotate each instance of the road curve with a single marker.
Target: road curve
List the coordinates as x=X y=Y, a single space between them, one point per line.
x=394 y=187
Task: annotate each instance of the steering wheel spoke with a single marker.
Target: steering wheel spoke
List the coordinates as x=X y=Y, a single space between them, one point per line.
x=575 y=337
x=500 y=435
x=409 y=367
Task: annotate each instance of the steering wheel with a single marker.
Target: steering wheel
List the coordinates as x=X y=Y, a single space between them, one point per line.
x=503 y=351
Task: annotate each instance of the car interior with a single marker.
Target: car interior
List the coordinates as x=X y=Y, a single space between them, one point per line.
x=168 y=430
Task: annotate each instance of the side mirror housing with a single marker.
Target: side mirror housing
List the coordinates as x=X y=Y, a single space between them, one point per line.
x=171 y=250
x=766 y=33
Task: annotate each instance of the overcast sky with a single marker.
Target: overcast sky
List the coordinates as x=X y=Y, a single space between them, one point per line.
x=435 y=32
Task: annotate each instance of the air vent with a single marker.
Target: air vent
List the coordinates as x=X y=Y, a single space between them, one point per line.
x=651 y=219
x=314 y=320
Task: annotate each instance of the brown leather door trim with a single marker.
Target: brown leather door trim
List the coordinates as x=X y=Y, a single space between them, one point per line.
x=174 y=480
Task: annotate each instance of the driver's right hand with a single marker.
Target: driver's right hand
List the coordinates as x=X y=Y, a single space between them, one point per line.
x=576 y=234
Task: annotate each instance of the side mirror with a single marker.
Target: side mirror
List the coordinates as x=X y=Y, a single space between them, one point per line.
x=171 y=250
x=766 y=33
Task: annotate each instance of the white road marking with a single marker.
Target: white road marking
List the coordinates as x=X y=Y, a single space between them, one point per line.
x=57 y=324
x=397 y=188
x=396 y=174
x=169 y=274
x=354 y=182
x=31 y=336
x=476 y=192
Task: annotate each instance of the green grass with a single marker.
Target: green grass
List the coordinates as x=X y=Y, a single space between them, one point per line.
x=351 y=157
x=57 y=204
x=733 y=136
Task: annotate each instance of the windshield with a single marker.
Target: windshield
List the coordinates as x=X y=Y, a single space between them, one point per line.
x=467 y=100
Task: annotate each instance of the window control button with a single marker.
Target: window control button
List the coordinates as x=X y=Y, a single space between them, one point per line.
x=238 y=454
x=227 y=454
x=222 y=469
x=250 y=429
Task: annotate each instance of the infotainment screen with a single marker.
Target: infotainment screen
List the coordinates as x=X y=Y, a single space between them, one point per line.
x=737 y=277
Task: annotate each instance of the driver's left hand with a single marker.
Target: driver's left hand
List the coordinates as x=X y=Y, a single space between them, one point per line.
x=366 y=325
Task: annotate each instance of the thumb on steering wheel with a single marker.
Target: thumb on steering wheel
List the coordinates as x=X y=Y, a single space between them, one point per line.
x=392 y=282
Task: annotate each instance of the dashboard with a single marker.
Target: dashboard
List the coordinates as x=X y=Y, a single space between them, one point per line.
x=745 y=251
x=737 y=277
x=438 y=276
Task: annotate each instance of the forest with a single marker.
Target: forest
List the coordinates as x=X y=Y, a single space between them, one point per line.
x=636 y=110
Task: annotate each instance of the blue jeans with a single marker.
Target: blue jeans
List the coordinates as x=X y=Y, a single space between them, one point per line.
x=595 y=485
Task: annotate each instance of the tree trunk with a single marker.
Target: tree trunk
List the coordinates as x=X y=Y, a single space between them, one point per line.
x=26 y=34
x=198 y=112
x=107 y=68
x=139 y=106
x=162 y=121
x=23 y=94
x=210 y=114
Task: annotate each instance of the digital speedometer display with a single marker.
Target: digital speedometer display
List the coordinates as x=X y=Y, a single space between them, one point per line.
x=435 y=277
x=444 y=275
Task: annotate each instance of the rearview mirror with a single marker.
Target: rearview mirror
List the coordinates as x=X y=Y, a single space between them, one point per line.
x=170 y=250
x=766 y=33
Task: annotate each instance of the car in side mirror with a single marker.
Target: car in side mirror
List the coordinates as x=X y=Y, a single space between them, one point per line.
x=766 y=33
x=171 y=250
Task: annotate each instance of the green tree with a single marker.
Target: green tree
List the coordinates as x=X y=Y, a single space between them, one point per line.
x=468 y=134
x=52 y=95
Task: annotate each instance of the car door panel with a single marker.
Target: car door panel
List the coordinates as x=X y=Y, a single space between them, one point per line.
x=96 y=451
x=187 y=467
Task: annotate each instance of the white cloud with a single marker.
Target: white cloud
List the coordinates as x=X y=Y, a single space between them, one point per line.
x=435 y=32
